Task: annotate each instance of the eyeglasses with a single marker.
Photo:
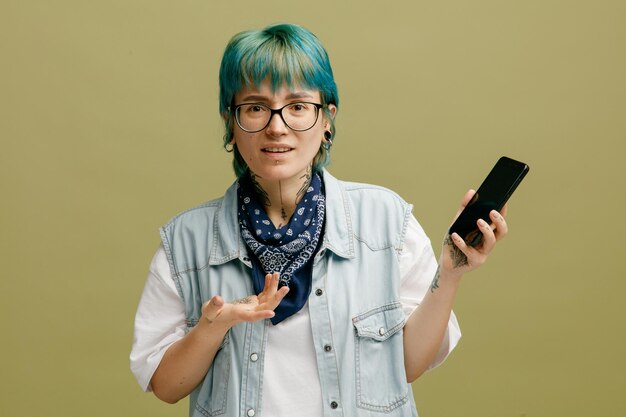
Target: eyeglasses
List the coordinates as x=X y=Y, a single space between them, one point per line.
x=254 y=117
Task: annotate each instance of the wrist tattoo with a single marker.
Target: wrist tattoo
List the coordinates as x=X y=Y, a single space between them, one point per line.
x=245 y=300
x=458 y=258
x=435 y=284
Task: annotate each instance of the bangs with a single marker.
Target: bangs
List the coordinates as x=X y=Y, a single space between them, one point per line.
x=280 y=64
x=284 y=55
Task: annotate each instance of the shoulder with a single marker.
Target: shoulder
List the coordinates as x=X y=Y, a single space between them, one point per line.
x=189 y=237
x=371 y=191
x=187 y=234
x=374 y=214
x=200 y=213
x=198 y=226
x=374 y=199
x=204 y=214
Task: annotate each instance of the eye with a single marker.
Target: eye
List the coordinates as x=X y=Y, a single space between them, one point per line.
x=255 y=108
x=298 y=107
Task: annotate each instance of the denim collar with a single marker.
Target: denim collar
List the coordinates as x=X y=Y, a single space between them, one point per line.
x=338 y=236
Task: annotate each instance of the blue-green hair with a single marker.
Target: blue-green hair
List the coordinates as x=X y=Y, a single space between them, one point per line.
x=285 y=54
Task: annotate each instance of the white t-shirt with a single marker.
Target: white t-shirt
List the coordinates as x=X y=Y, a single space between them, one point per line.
x=291 y=381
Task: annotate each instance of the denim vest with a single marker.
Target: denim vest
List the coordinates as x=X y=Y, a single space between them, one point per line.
x=356 y=317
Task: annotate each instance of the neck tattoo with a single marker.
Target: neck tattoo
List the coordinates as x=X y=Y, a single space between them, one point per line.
x=283 y=213
x=264 y=197
x=305 y=184
x=261 y=193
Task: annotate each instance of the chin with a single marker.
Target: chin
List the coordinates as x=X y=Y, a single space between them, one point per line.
x=278 y=172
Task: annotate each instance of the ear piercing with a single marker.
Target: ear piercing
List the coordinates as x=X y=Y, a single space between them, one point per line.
x=328 y=136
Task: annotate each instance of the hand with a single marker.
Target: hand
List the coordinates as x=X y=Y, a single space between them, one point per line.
x=457 y=257
x=251 y=308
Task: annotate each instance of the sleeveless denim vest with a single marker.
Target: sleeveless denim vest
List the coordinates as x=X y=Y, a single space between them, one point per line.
x=356 y=316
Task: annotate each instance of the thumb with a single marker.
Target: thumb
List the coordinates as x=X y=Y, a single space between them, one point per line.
x=212 y=307
x=468 y=199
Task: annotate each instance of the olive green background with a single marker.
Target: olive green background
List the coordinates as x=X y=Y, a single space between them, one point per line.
x=109 y=126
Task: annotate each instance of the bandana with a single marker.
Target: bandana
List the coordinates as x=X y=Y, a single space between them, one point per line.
x=288 y=250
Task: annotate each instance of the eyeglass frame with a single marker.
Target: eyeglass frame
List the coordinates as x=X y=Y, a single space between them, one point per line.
x=279 y=111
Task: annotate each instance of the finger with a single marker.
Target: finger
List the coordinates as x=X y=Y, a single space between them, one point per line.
x=489 y=237
x=268 y=278
x=460 y=244
x=273 y=302
x=499 y=224
x=271 y=286
x=275 y=281
x=504 y=210
x=270 y=303
x=251 y=313
x=281 y=293
x=255 y=315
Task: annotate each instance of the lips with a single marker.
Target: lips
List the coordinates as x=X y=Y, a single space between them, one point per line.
x=277 y=149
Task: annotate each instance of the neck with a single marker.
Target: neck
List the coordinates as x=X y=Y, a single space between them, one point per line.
x=280 y=198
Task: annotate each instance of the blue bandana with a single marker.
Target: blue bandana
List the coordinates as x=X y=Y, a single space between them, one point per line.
x=288 y=250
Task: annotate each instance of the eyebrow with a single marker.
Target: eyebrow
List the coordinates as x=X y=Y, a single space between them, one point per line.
x=290 y=96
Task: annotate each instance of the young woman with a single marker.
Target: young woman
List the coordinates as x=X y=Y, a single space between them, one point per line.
x=295 y=293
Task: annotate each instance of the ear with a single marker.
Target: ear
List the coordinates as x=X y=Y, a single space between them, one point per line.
x=333 y=110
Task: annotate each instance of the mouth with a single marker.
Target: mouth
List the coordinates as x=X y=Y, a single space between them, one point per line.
x=276 y=150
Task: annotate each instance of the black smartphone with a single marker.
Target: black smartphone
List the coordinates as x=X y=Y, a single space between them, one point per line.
x=492 y=194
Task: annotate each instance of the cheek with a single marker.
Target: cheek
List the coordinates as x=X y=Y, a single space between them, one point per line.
x=243 y=142
x=315 y=140
x=246 y=153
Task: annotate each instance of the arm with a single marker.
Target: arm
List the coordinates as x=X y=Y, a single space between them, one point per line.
x=187 y=361
x=426 y=326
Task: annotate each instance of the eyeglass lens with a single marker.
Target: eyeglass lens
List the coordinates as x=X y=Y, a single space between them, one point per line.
x=297 y=116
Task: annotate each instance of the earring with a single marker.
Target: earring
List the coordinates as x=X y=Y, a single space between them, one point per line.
x=229 y=147
x=328 y=136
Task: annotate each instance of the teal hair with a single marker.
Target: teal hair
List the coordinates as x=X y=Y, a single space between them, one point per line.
x=285 y=54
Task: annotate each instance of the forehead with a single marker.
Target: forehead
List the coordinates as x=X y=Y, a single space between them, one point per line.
x=265 y=92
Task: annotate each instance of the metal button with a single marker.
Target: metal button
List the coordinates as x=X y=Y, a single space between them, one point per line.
x=319 y=292
x=254 y=357
x=381 y=331
x=251 y=412
x=328 y=348
x=333 y=404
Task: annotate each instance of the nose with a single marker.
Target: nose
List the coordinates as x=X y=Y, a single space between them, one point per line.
x=276 y=126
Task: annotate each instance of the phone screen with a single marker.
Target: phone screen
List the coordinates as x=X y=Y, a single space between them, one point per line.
x=492 y=194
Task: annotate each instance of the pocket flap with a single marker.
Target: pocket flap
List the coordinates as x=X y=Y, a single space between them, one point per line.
x=380 y=323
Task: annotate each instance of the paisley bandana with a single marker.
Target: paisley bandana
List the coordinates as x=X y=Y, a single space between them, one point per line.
x=288 y=250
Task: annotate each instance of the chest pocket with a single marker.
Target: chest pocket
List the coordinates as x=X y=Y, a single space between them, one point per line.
x=380 y=375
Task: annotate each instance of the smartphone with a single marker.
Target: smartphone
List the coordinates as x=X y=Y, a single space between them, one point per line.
x=492 y=194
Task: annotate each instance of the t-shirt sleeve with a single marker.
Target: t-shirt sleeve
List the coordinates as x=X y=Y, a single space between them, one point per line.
x=159 y=321
x=417 y=269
